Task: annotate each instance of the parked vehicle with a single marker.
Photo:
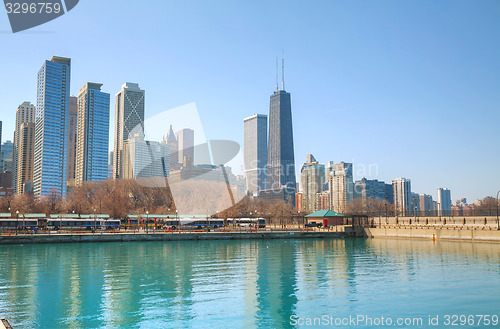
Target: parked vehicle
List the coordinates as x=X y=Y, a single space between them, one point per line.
x=313 y=224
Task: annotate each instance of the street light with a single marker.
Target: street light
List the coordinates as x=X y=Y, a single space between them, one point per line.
x=147 y=220
x=17 y=219
x=178 y=221
x=439 y=210
x=498 y=223
x=94 y=220
x=386 y=202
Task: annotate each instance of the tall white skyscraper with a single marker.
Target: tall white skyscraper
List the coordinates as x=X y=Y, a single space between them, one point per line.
x=341 y=185
x=25 y=114
x=402 y=196
x=145 y=159
x=51 y=123
x=129 y=120
x=444 y=201
x=185 y=144
x=312 y=180
x=255 y=152
x=92 y=134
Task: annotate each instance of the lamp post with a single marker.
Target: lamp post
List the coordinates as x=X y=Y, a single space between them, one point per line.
x=147 y=220
x=386 y=202
x=498 y=223
x=439 y=210
x=95 y=219
x=208 y=223
x=17 y=220
x=178 y=221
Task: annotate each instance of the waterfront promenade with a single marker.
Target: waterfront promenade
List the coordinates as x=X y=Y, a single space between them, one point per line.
x=472 y=229
x=130 y=236
x=457 y=228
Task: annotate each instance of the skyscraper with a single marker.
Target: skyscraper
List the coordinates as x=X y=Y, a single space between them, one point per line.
x=341 y=185
x=312 y=180
x=23 y=169
x=25 y=158
x=129 y=120
x=373 y=188
x=281 y=160
x=0 y=137
x=0 y=148
x=145 y=159
x=185 y=140
x=173 y=145
x=444 y=201
x=402 y=196
x=92 y=134
x=51 y=122
x=426 y=204
x=72 y=124
x=6 y=156
x=255 y=152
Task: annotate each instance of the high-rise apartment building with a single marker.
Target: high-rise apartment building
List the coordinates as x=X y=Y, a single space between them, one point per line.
x=7 y=151
x=426 y=204
x=280 y=154
x=341 y=186
x=402 y=196
x=145 y=159
x=255 y=152
x=373 y=188
x=185 y=140
x=323 y=200
x=312 y=180
x=92 y=134
x=415 y=203
x=25 y=158
x=72 y=132
x=0 y=151
x=51 y=123
x=298 y=201
x=444 y=201
x=129 y=120
x=22 y=170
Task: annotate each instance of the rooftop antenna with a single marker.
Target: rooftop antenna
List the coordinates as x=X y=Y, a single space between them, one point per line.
x=276 y=73
x=283 y=70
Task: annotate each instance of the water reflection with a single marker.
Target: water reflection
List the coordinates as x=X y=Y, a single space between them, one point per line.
x=242 y=284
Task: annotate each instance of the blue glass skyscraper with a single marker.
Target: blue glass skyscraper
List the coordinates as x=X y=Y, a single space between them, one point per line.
x=51 y=118
x=255 y=152
x=92 y=134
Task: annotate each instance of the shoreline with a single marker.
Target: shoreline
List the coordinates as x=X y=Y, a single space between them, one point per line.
x=162 y=236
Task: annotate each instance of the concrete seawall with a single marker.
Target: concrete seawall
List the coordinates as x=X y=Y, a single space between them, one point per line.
x=130 y=237
x=434 y=234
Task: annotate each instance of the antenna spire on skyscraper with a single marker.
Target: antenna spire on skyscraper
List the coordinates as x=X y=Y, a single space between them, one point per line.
x=282 y=69
x=276 y=73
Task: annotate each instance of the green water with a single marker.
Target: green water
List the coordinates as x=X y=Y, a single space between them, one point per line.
x=245 y=284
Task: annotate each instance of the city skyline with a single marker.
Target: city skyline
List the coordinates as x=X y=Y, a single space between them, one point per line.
x=393 y=90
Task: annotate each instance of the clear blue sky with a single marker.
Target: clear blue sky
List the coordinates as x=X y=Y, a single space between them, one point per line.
x=411 y=87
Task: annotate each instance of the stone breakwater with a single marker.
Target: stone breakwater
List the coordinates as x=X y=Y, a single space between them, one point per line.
x=431 y=233
x=131 y=237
